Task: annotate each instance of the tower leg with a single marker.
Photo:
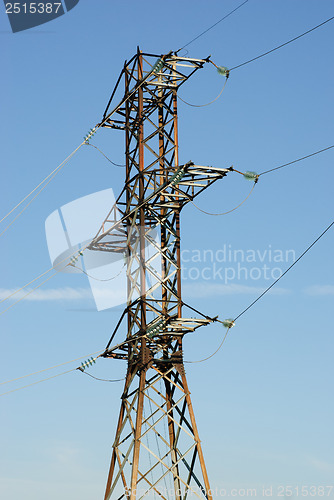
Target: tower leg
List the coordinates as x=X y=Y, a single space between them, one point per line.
x=139 y=470
x=137 y=436
x=115 y=455
x=172 y=441
x=196 y=437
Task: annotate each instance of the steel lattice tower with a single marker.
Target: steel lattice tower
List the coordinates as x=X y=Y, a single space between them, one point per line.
x=157 y=450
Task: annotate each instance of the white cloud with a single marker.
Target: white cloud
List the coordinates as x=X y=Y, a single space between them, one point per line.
x=321 y=464
x=51 y=294
x=67 y=455
x=60 y=294
x=319 y=290
x=194 y=290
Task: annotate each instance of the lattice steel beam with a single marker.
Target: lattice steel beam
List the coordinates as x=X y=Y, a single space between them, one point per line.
x=157 y=449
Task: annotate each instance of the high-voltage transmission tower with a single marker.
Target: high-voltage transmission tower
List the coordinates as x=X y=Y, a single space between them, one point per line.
x=157 y=451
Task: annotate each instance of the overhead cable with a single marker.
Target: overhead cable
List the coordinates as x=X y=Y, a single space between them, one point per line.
x=213 y=25
x=51 y=174
x=98 y=279
x=228 y=211
x=80 y=368
x=94 y=130
x=38 y=382
x=208 y=213
x=40 y=276
x=26 y=295
x=50 y=368
x=230 y=323
x=104 y=379
x=214 y=353
x=206 y=104
x=27 y=284
x=295 y=161
x=113 y=163
x=282 y=45
x=285 y=272
x=75 y=255
x=86 y=139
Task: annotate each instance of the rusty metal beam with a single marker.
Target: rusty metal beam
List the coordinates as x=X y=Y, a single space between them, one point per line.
x=146 y=216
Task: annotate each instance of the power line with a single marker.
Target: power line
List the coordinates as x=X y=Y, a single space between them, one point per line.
x=262 y=173
x=51 y=368
x=204 y=315
x=28 y=293
x=214 y=353
x=285 y=272
x=98 y=279
x=282 y=45
x=54 y=376
x=228 y=211
x=50 y=176
x=29 y=203
x=63 y=373
x=295 y=161
x=210 y=28
x=103 y=379
x=27 y=284
x=254 y=301
x=47 y=279
x=113 y=163
x=206 y=104
x=61 y=165
x=38 y=382
x=43 y=274
x=32 y=281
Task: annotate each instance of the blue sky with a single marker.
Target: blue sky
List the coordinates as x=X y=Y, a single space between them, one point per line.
x=264 y=403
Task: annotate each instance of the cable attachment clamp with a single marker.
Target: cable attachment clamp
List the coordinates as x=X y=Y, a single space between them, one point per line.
x=158 y=65
x=222 y=70
x=228 y=323
x=75 y=258
x=87 y=364
x=90 y=134
x=251 y=176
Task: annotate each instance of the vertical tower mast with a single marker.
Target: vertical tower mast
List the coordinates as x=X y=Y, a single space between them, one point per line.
x=157 y=450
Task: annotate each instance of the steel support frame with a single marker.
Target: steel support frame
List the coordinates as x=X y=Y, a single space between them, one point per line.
x=156 y=189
